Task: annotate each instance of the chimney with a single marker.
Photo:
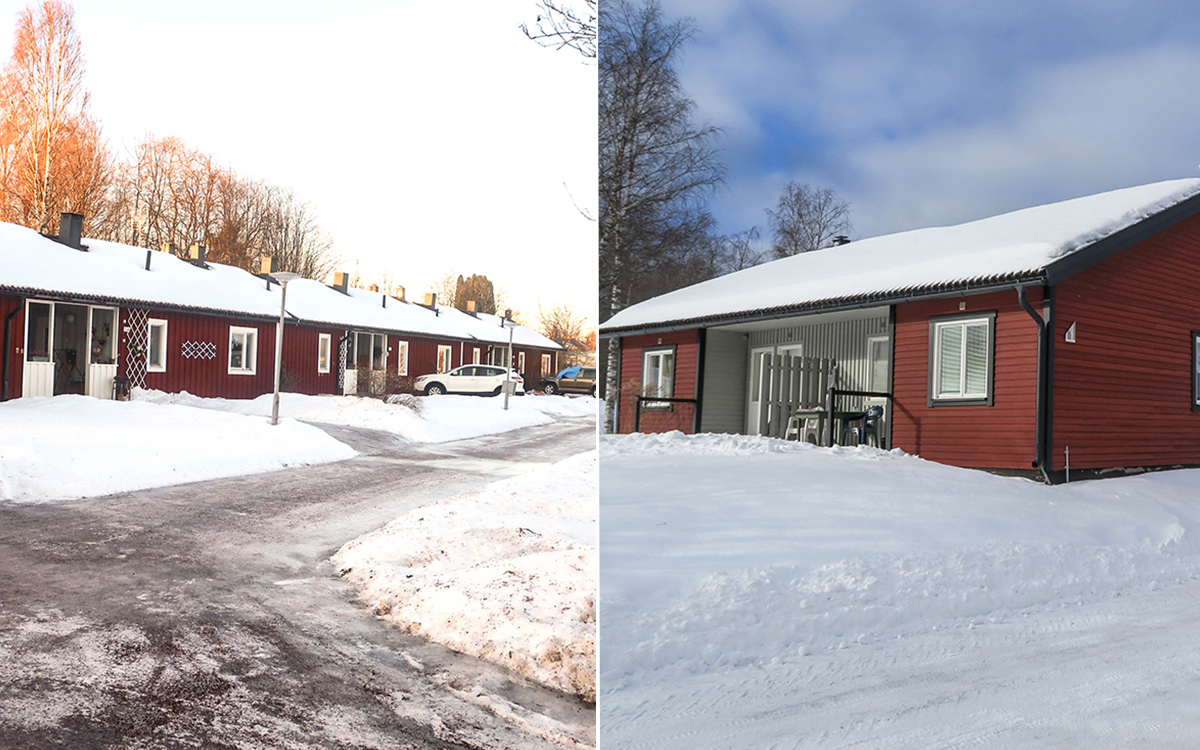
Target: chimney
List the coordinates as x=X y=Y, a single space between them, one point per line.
x=269 y=265
x=373 y=287
x=197 y=253
x=471 y=306
x=398 y=293
x=167 y=247
x=341 y=282
x=70 y=230
x=430 y=299
x=840 y=240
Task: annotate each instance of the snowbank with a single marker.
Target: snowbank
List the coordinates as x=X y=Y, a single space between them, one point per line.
x=727 y=551
x=506 y=573
x=427 y=419
x=75 y=446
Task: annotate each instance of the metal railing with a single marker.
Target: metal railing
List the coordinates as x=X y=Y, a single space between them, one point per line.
x=639 y=400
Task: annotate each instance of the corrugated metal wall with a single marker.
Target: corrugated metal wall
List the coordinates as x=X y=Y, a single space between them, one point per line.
x=844 y=341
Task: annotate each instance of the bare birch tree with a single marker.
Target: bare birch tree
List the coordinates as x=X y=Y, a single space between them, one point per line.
x=807 y=219
x=655 y=165
x=52 y=156
x=562 y=26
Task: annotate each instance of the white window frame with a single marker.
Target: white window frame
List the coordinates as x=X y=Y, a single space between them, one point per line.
x=960 y=396
x=475 y=355
x=547 y=369
x=249 y=350
x=324 y=353
x=660 y=352
x=402 y=354
x=445 y=353
x=151 y=365
x=521 y=362
x=379 y=341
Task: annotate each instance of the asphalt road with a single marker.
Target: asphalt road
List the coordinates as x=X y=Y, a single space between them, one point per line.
x=208 y=616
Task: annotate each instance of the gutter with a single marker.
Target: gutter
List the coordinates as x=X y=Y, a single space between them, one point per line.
x=1041 y=449
x=8 y=347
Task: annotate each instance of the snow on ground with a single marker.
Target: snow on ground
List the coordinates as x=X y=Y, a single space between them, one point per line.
x=772 y=594
x=76 y=446
x=425 y=419
x=506 y=573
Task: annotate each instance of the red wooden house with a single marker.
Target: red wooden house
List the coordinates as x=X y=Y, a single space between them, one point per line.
x=82 y=316
x=1010 y=343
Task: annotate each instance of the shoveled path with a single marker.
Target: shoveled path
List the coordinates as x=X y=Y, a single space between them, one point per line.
x=207 y=615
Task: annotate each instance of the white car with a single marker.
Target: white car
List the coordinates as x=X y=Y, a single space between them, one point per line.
x=472 y=379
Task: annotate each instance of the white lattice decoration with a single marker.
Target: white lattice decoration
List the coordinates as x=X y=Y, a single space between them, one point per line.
x=135 y=347
x=199 y=350
x=342 y=346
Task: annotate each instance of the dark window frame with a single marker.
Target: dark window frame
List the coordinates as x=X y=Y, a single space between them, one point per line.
x=931 y=390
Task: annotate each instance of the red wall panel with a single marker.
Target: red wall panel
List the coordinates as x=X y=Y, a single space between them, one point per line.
x=16 y=343
x=687 y=349
x=1123 y=390
x=1001 y=436
x=205 y=376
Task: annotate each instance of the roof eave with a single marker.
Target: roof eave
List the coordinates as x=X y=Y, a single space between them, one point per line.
x=1105 y=248
x=840 y=304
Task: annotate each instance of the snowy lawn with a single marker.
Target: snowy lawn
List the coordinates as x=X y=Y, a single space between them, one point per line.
x=421 y=419
x=782 y=595
x=506 y=573
x=73 y=446
x=76 y=446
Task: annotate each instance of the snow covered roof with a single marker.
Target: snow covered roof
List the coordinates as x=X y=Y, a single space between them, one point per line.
x=487 y=327
x=112 y=273
x=1035 y=245
x=31 y=264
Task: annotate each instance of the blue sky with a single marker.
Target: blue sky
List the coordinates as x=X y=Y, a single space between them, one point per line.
x=427 y=138
x=927 y=112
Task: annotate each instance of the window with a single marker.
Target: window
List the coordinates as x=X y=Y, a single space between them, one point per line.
x=156 y=347
x=475 y=355
x=521 y=362
x=402 y=358
x=243 y=350
x=1195 y=370
x=324 y=346
x=103 y=346
x=378 y=352
x=444 y=355
x=658 y=376
x=546 y=368
x=37 y=332
x=961 y=360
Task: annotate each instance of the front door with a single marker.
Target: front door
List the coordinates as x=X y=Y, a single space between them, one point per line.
x=879 y=379
x=69 y=349
x=754 y=402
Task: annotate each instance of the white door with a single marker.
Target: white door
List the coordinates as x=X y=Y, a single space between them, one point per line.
x=37 y=378
x=102 y=352
x=757 y=357
x=879 y=379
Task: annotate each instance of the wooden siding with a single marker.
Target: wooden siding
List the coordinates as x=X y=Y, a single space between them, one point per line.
x=15 y=345
x=1123 y=390
x=300 y=359
x=679 y=417
x=201 y=375
x=724 y=399
x=1000 y=436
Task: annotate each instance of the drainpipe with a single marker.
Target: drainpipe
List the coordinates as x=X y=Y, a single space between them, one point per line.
x=8 y=347
x=1039 y=460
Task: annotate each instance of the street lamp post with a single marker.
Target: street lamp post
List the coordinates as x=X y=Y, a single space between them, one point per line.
x=283 y=277
x=510 y=324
